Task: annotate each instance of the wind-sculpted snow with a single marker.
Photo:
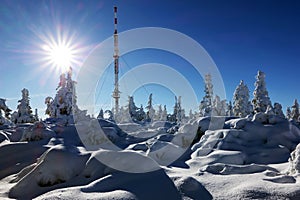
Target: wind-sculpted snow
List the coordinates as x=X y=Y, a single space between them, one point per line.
x=257 y=142
x=57 y=165
x=246 y=157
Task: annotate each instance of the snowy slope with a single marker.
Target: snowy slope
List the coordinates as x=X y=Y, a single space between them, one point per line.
x=239 y=158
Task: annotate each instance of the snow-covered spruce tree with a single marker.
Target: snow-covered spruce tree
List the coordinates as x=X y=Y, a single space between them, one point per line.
x=36 y=116
x=141 y=115
x=218 y=107
x=2 y=119
x=261 y=98
x=100 y=115
x=295 y=111
x=158 y=114
x=278 y=110
x=24 y=112
x=180 y=111
x=132 y=108
x=229 y=110
x=164 y=114
x=136 y=114
x=205 y=107
x=150 y=109
x=5 y=108
x=176 y=112
x=241 y=104
x=64 y=103
x=288 y=113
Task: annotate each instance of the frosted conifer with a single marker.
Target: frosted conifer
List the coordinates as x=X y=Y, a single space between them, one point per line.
x=241 y=103
x=261 y=98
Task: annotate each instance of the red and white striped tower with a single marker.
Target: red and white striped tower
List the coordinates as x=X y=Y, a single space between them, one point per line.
x=116 y=92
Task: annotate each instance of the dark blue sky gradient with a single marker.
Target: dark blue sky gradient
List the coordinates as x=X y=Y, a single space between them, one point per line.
x=241 y=37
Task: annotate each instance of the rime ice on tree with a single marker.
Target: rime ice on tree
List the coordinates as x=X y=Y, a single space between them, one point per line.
x=164 y=114
x=24 y=112
x=295 y=111
x=4 y=108
x=229 y=111
x=158 y=114
x=100 y=115
x=136 y=114
x=150 y=109
x=64 y=102
x=278 y=110
x=219 y=107
x=261 y=98
x=206 y=104
x=241 y=104
x=288 y=113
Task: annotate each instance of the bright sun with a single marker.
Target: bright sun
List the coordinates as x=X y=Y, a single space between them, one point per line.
x=60 y=56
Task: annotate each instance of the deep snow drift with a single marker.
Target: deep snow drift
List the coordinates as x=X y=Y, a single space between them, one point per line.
x=236 y=158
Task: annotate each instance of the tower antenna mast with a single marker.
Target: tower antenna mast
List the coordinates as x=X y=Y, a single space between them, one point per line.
x=116 y=92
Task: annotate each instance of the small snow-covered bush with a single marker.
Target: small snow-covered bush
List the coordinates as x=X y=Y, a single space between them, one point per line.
x=38 y=131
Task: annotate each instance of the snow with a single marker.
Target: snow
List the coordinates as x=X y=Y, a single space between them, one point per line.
x=249 y=158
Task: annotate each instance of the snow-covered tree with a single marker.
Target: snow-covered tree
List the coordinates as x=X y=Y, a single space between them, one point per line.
x=36 y=116
x=218 y=107
x=229 y=110
x=132 y=107
x=136 y=114
x=241 y=104
x=141 y=115
x=288 y=113
x=150 y=109
x=261 y=98
x=164 y=114
x=64 y=103
x=179 y=114
x=205 y=107
x=24 y=112
x=176 y=111
x=3 y=120
x=4 y=108
x=278 y=110
x=295 y=111
x=100 y=115
x=158 y=114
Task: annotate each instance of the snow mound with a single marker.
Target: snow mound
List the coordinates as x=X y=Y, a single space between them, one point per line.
x=225 y=169
x=257 y=142
x=281 y=179
x=58 y=164
x=191 y=188
x=165 y=153
x=127 y=161
x=70 y=193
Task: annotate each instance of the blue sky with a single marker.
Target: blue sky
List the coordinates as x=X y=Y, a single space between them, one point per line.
x=240 y=36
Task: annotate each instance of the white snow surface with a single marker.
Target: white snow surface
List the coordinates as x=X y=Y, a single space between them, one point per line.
x=236 y=158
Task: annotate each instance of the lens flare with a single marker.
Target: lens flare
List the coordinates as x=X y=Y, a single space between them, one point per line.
x=60 y=56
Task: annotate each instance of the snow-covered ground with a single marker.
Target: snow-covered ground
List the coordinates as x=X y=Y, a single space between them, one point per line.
x=236 y=158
